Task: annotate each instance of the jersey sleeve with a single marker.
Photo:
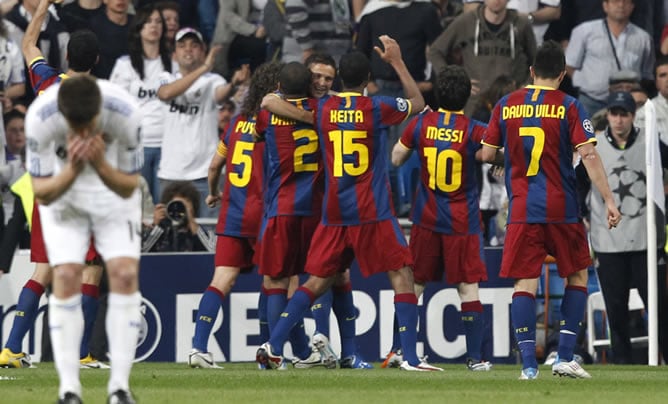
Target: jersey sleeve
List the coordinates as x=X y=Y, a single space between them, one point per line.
x=580 y=127
x=392 y=110
x=42 y=75
x=261 y=122
x=492 y=136
x=477 y=132
x=216 y=81
x=409 y=137
x=130 y=150
x=40 y=153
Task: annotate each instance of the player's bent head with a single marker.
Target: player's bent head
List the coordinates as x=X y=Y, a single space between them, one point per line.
x=453 y=88
x=320 y=58
x=294 y=79
x=550 y=62
x=79 y=100
x=82 y=50
x=354 y=69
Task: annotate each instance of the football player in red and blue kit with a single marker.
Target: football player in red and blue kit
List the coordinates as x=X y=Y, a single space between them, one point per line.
x=447 y=229
x=539 y=128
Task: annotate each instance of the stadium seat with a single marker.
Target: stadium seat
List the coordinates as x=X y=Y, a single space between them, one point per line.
x=596 y=303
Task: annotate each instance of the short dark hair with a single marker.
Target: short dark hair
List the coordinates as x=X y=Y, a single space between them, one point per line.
x=321 y=58
x=354 y=69
x=453 y=88
x=186 y=189
x=79 y=100
x=12 y=114
x=82 y=50
x=294 y=79
x=660 y=61
x=550 y=61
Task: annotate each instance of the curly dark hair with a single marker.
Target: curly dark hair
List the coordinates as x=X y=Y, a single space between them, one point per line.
x=184 y=189
x=263 y=81
x=453 y=88
x=135 y=47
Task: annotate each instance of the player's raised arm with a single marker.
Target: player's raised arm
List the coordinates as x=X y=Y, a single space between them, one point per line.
x=392 y=55
x=29 y=42
x=276 y=105
x=172 y=90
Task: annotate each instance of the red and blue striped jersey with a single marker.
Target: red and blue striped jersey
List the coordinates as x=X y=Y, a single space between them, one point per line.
x=446 y=199
x=241 y=204
x=353 y=139
x=293 y=178
x=540 y=128
x=42 y=75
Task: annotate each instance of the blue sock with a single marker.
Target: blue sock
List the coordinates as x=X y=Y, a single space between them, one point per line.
x=320 y=312
x=523 y=316
x=294 y=312
x=473 y=326
x=26 y=310
x=300 y=341
x=209 y=305
x=346 y=314
x=89 y=303
x=572 y=311
x=405 y=308
x=277 y=300
x=396 y=340
x=262 y=315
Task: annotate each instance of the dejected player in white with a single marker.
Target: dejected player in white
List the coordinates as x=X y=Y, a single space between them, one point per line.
x=84 y=154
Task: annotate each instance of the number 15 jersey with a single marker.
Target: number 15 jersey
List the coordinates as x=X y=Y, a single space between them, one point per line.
x=353 y=138
x=540 y=128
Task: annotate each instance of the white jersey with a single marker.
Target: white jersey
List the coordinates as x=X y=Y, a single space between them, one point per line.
x=146 y=93
x=191 y=129
x=47 y=131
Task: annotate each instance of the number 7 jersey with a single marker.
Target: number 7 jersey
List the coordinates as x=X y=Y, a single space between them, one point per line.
x=540 y=128
x=446 y=198
x=353 y=137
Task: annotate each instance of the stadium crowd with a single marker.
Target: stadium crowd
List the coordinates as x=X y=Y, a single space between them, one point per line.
x=198 y=70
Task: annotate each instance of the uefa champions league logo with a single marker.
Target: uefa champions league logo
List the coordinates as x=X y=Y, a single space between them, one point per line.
x=150 y=331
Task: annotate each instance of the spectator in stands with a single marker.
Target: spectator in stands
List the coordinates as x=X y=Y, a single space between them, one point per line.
x=207 y=11
x=192 y=95
x=539 y=13
x=323 y=26
x=170 y=13
x=226 y=111
x=493 y=41
x=273 y=19
x=599 y=47
x=139 y=73
x=78 y=14
x=174 y=226
x=661 y=100
x=12 y=75
x=240 y=32
x=112 y=29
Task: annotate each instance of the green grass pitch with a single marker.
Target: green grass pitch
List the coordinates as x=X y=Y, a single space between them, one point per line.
x=243 y=383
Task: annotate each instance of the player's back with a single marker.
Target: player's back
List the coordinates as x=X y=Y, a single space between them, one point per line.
x=353 y=138
x=540 y=128
x=446 y=199
x=293 y=182
x=241 y=205
x=118 y=122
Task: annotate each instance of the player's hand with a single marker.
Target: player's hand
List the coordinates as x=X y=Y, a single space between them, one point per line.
x=95 y=151
x=391 y=53
x=614 y=217
x=159 y=213
x=211 y=57
x=497 y=171
x=212 y=200
x=77 y=147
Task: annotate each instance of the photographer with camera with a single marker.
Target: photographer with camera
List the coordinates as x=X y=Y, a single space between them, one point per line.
x=174 y=227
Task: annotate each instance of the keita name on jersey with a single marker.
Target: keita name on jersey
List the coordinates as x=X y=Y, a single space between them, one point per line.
x=346 y=116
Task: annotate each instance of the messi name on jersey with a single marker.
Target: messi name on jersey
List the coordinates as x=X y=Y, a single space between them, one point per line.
x=346 y=116
x=534 y=111
x=445 y=134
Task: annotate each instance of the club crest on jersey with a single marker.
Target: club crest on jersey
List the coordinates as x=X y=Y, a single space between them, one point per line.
x=588 y=126
x=402 y=104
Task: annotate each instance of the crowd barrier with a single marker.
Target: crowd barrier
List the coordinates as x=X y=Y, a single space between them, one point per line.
x=171 y=285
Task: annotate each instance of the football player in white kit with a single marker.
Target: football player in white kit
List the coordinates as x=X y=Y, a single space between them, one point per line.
x=84 y=156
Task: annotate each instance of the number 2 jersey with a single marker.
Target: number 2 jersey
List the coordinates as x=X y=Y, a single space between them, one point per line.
x=446 y=199
x=353 y=138
x=241 y=204
x=293 y=181
x=540 y=128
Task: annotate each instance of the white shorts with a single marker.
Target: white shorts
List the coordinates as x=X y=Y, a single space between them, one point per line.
x=69 y=223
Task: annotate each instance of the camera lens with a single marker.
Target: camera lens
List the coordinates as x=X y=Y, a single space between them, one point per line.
x=176 y=211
